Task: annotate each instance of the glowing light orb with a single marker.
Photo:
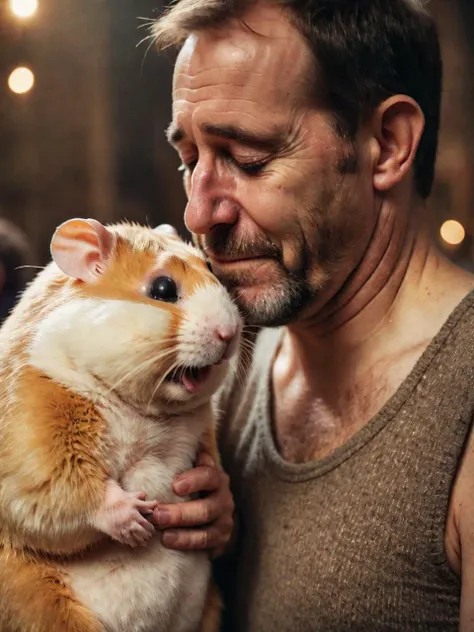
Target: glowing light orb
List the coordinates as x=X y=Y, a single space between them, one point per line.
x=452 y=232
x=23 y=8
x=21 y=80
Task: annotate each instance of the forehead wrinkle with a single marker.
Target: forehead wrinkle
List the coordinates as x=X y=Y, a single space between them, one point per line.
x=258 y=79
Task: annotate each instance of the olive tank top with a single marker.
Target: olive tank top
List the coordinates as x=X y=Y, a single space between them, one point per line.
x=353 y=541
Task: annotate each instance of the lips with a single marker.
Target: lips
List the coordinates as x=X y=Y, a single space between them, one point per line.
x=248 y=257
x=192 y=378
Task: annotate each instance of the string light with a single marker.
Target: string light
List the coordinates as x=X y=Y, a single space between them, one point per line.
x=452 y=232
x=23 y=8
x=21 y=80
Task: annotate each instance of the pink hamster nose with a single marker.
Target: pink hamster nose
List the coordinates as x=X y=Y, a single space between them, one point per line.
x=225 y=332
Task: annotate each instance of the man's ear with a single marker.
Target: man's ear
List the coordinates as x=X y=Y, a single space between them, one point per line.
x=82 y=248
x=397 y=127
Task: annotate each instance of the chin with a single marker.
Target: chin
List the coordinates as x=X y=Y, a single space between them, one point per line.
x=265 y=306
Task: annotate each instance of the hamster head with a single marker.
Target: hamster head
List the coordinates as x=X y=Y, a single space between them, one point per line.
x=139 y=314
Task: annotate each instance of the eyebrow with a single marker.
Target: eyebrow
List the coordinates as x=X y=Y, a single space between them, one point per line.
x=272 y=141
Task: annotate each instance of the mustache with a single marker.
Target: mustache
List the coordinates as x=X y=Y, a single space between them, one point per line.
x=223 y=241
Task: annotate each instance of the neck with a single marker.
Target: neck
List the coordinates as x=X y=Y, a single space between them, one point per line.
x=394 y=272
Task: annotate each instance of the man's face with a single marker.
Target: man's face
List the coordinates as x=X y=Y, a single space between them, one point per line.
x=283 y=206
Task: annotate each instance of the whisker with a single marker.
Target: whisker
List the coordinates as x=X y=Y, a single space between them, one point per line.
x=247 y=344
x=152 y=41
x=143 y=40
x=146 y=22
x=239 y=374
x=137 y=370
x=160 y=382
x=137 y=367
x=247 y=353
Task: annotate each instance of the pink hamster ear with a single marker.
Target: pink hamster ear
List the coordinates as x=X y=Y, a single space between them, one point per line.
x=81 y=248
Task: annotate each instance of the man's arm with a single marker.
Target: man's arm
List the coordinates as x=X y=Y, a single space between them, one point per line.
x=460 y=536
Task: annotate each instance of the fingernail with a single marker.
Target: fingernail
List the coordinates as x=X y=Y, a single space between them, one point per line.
x=162 y=516
x=181 y=487
x=170 y=537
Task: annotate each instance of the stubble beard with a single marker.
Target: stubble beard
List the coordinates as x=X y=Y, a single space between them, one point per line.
x=275 y=303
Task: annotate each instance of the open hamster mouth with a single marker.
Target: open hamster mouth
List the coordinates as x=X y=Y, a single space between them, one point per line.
x=190 y=377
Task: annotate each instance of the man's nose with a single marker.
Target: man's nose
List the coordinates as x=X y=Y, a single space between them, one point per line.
x=208 y=204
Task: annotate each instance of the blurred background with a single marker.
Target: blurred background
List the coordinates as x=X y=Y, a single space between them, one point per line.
x=84 y=106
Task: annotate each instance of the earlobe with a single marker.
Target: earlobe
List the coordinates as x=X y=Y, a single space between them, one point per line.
x=82 y=248
x=398 y=125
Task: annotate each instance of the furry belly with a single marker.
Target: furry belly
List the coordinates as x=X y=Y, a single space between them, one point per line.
x=150 y=589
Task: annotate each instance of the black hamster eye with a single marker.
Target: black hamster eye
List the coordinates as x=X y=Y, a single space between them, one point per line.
x=163 y=289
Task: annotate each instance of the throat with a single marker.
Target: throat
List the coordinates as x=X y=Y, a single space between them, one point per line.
x=311 y=432
x=309 y=429
x=314 y=413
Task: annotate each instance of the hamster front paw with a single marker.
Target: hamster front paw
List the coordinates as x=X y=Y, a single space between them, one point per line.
x=122 y=516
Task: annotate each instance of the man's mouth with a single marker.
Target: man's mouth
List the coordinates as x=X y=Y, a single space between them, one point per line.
x=192 y=378
x=236 y=260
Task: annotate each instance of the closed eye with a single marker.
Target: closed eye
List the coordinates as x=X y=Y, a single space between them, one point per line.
x=249 y=168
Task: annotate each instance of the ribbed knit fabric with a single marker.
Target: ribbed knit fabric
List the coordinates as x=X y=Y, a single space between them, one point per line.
x=354 y=541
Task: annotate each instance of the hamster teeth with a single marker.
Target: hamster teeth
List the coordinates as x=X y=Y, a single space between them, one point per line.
x=190 y=377
x=193 y=372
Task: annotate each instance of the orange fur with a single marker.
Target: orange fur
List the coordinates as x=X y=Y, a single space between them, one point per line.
x=209 y=442
x=35 y=598
x=57 y=466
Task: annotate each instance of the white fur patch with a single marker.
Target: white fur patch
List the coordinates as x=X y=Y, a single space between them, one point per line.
x=208 y=308
x=88 y=336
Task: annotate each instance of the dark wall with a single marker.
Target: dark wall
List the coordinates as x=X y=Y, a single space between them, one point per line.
x=89 y=139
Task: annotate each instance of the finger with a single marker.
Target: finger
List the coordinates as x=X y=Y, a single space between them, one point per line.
x=190 y=514
x=205 y=459
x=199 y=479
x=146 y=506
x=200 y=539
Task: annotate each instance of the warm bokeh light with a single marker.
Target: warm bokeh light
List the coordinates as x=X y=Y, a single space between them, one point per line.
x=24 y=8
x=452 y=232
x=21 y=80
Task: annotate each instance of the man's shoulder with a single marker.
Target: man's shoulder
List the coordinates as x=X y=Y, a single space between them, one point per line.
x=455 y=375
x=458 y=336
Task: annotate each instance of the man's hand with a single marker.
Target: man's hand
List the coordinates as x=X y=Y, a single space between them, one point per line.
x=206 y=523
